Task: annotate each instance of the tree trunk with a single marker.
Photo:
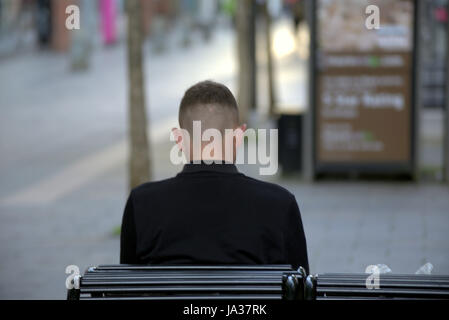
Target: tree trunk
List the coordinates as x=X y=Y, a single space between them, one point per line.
x=246 y=58
x=446 y=113
x=271 y=80
x=139 y=162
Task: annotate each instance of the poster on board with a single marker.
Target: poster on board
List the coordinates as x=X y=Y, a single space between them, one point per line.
x=363 y=84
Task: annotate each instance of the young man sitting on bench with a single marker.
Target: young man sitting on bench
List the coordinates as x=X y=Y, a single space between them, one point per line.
x=211 y=213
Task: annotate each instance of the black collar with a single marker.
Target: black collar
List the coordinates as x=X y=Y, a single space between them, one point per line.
x=224 y=167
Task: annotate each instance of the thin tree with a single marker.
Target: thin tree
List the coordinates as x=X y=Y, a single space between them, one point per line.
x=246 y=57
x=270 y=67
x=446 y=122
x=139 y=161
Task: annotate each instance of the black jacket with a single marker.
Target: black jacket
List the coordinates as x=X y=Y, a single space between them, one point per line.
x=212 y=214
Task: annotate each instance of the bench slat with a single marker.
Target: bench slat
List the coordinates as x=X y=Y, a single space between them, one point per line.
x=192 y=297
x=177 y=288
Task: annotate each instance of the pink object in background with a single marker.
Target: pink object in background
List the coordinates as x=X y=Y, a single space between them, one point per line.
x=441 y=14
x=108 y=16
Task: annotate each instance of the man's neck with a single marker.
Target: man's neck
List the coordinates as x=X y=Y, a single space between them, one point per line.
x=210 y=161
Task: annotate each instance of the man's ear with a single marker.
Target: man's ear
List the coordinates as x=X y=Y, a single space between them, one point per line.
x=239 y=134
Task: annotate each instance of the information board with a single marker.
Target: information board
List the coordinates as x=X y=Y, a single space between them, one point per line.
x=363 y=84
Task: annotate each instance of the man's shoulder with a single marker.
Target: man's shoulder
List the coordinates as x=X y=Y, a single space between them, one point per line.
x=152 y=186
x=269 y=189
x=250 y=186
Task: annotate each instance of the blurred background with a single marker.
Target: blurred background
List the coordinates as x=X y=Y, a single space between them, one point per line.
x=86 y=115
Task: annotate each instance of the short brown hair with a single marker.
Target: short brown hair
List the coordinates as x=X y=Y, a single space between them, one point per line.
x=207 y=93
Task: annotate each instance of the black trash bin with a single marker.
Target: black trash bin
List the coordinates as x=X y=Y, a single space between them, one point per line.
x=290 y=142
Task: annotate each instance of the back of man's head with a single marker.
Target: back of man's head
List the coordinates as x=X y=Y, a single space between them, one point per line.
x=211 y=103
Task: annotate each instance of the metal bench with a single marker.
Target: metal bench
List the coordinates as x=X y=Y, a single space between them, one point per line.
x=338 y=286
x=137 y=282
x=259 y=282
